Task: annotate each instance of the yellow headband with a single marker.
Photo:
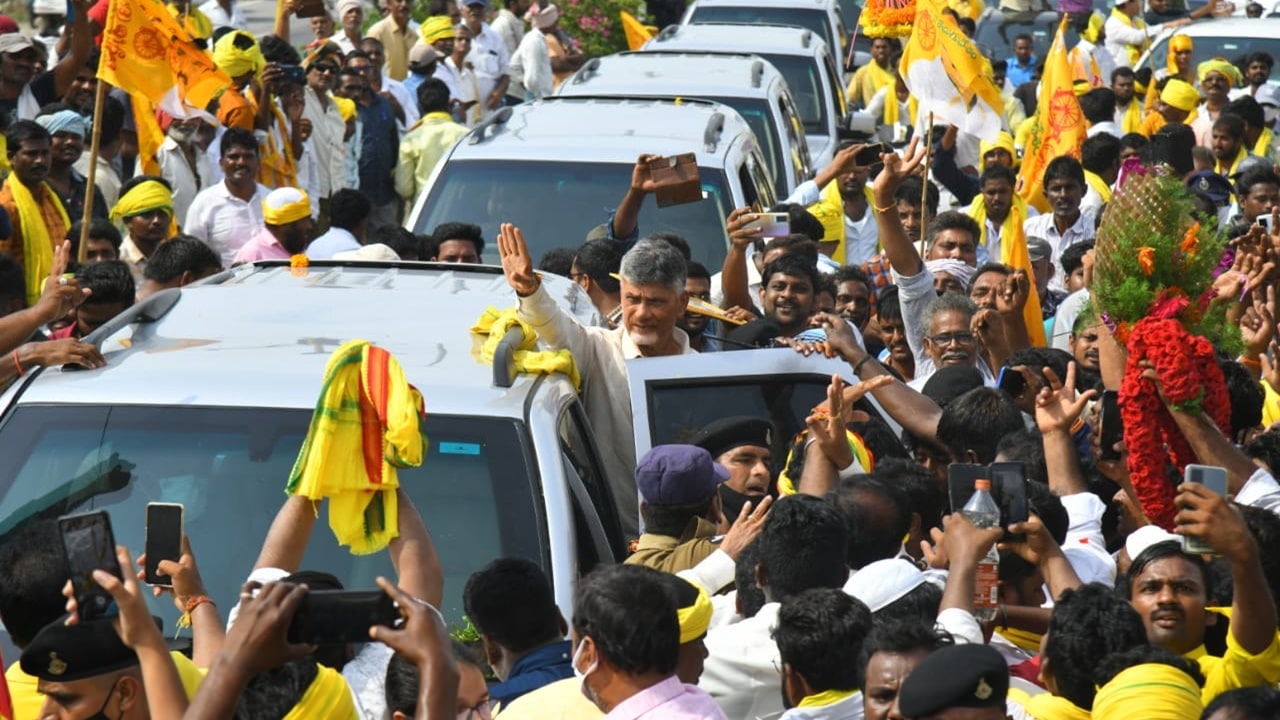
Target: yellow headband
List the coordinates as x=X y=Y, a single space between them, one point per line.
x=1080 y=87
x=1222 y=67
x=328 y=698
x=1180 y=94
x=1003 y=141
x=695 y=619
x=439 y=27
x=141 y=198
x=234 y=61
x=1152 y=691
x=289 y=212
x=1181 y=43
x=346 y=107
x=1096 y=23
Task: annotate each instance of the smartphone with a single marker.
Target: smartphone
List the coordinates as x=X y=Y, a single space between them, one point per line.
x=771 y=225
x=1112 y=430
x=960 y=479
x=1213 y=478
x=1011 y=381
x=164 y=540
x=90 y=545
x=335 y=617
x=1011 y=478
x=1265 y=221
x=869 y=156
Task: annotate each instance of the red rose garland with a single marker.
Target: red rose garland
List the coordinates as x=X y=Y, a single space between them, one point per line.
x=1190 y=377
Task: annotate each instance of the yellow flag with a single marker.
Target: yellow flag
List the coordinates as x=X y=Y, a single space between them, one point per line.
x=947 y=74
x=1059 y=128
x=147 y=52
x=1014 y=253
x=637 y=32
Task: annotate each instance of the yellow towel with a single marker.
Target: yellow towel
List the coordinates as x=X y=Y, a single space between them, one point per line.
x=495 y=323
x=366 y=424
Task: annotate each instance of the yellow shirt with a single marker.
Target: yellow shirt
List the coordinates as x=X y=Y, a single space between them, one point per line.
x=396 y=43
x=1236 y=668
x=866 y=82
x=27 y=701
x=420 y=150
x=561 y=700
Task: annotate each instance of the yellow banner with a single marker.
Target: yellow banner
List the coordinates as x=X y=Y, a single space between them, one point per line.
x=145 y=51
x=1058 y=128
x=947 y=74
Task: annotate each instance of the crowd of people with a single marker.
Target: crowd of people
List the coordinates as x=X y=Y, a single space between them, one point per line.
x=820 y=576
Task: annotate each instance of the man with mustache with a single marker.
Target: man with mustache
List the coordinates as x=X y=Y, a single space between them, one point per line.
x=742 y=446
x=39 y=219
x=1064 y=187
x=226 y=214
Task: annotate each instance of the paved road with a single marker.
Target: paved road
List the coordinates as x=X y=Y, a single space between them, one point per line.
x=261 y=15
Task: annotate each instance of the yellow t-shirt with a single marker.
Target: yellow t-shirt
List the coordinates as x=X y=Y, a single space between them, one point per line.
x=27 y=701
x=561 y=700
x=1236 y=668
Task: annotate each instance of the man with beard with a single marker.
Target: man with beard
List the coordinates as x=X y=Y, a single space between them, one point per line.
x=1257 y=70
x=80 y=95
x=38 y=217
x=853 y=296
x=286 y=213
x=1128 y=106
x=225 y=215
x=1084 y=341
x=697 y=284
x=21 y=95
x=1217 y=77
x=742 y=446
x=351 y=16
x=1064 y=187
x=67 y=129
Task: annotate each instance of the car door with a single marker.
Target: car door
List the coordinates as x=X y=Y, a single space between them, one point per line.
x=673 y=397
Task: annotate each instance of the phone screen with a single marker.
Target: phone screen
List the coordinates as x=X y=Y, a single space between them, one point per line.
x=164 y=540
x=960 y=479
x=1112 y=430
x=90 y=545
x=869 y=156
x=331 y=617
x=1011 y=478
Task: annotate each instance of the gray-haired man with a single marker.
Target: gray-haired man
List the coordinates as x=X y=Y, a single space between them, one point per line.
x=652 y=280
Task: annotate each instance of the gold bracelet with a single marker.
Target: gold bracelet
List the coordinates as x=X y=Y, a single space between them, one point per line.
x=886 y=208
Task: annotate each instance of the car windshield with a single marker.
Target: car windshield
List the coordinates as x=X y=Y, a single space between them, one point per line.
x=813 y=19
x=805 y=82
x=1207 y=47
x=557 y=203
x=760 y=120
x=995 y=36
x=228 y=468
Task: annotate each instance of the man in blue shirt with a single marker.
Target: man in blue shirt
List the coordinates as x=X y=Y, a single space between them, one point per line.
x=1021 y=67
x=522 y=632
x=380 y=141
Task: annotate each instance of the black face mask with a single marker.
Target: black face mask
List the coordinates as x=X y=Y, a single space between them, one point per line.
x=102 y=711
x=731 y=501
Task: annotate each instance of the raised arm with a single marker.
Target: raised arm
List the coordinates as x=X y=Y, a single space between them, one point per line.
x=414 y=554
x=626 y=219
x=902 y=254
x=288 y=536
x=555 y=328
x=734 y=287
x=81 y=45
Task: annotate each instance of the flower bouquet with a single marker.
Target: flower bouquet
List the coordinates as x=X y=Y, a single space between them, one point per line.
x=887 y=18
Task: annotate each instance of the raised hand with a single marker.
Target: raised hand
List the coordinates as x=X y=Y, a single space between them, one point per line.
x=61 y=294
x=517 y=265
x=746 y=527
x=641 y=176
x=1058 y=405
x=899 y=167
x=737 y=227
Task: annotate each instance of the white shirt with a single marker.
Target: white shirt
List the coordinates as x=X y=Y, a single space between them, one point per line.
x=105 y=178
x=1085 y=547
x=327 y=131
x=915 y=292
x=490 y=60
x=221 y=18
x=1261 y=491
x=741 y=670
x=224 y=221
x=1068 y=310
x=861 y=237
x=1108 y=127
x=187 y=181
x=531 y=75
x=334 y=241
x=510 y=27
x=1120 y=36
x=1042 y=226
x=406 y=100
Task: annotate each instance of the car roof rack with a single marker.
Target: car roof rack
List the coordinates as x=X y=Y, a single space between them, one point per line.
x=711 y=136
x=586 y=72
x=149 y=310
x=667 y=32
x=493 y=121
x=757 y=73
x=504 y=358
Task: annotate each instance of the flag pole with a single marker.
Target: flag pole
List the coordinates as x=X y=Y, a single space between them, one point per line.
x=924 y=187
x=95 y=136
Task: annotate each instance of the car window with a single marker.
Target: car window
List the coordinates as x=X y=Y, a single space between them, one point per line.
x=814 y=19
x=1231 y=48
x=804 y=82
x=756 y=112
x=557 y=203
x=834 y=88
x=229 y=467
x=800 y=160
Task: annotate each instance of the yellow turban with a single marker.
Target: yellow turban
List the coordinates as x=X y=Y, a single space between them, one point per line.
x=234 y=61
x=143 y=197
x=1096 y=22
x=1222 y=67
x=1003 y=141
x=285 y=205
x=1180 y=94
x=437 y=27
x=1177 y=44
x=346 y=107
x=326 y=50
x=327 y=698
x=1151 y=691
x=695 y=619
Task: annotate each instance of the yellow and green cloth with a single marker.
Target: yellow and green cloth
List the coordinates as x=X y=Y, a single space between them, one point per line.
x=367 y=423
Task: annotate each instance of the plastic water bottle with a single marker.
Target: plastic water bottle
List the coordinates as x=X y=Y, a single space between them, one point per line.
x=982 y=511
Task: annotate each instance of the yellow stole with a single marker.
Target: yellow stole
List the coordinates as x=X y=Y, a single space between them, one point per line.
x=868 y=81
x=1241 y=154
x=1262 y=148
x=1099 y=185
x=1131 y=121
x=1013 y=253
x=1135 y=51
x=37 y=243
x=1011 y=225
x=830 y=212
x=891 y=110
x=825 y=698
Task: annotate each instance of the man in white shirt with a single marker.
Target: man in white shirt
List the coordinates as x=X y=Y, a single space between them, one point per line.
x=348 y=225
x=327 y=127
x=225 y=13
x=227 y=214
x=488 y=57
x=181 y=163
x=531 y=76
x=507 y=22
x=1064 y=187
x=350 y=19
x=1127 y=34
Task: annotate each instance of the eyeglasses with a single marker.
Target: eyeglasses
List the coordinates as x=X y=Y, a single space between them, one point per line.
x=483 y=711
x=955 y=338
x=325 y=69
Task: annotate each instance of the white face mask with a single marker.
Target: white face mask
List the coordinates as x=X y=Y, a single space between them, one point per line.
x=582 y=676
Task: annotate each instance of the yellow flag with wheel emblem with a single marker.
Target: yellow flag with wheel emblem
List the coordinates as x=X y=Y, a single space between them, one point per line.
x=1058 y=128
x=948 y=76
x=146 y=52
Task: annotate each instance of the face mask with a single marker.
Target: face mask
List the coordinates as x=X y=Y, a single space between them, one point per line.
x=732 y=501
x=582 y=676
x=102 y=711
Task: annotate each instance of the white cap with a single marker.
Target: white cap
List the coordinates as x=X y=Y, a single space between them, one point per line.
x=375 y=252
x=1268 y=94
x=883 y=582
x=1146 y=536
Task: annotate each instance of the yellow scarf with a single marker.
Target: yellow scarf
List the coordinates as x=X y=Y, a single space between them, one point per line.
x=1051 y=707
x=695 y=619
x=494 y=324
x=1241 y=154
x=367 y=423
x=1135 y=51
x=891 y=110
x=868 y=82
x=862 y=455
x=1011 y=225
x=37 y=243
x=277 y=168
x=327 y=698
x=1131 y=122
x=826 y=697
x=1024 y=639
x=195 y=22
x=1262 y=148
x=1013 y=253
x=433 y=116
x=1099 y=185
